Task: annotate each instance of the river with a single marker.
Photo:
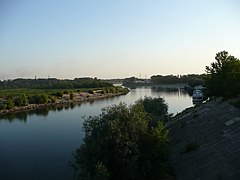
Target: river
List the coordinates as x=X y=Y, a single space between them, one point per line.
x=38 y=144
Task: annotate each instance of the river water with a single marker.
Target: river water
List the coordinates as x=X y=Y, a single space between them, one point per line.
x=38 y=144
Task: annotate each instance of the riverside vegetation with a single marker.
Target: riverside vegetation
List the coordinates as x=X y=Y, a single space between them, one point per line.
x=125 y=143
x=17 y=95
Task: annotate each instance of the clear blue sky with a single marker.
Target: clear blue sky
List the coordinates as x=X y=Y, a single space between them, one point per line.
x=110 y=39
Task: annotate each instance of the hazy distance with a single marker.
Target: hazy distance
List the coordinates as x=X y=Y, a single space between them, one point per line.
x=109 y=39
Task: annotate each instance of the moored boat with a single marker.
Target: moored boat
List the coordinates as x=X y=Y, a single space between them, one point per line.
x=197 y=94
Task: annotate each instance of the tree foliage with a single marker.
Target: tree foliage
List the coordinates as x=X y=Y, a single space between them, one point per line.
x=21 y=100
x=39 y=99
x=71 y=95
x=156 y=107
x=223 y=76
x=190 y=79
x=121 y=143
x=53 y=83
x=10 y=103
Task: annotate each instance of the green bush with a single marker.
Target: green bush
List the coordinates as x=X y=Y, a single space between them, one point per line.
x=107 y=90
x=71 y=96
x=103 y=91
x=52 y=99
x=121 y=143
x=41 y=99
x=10 y=104
x=31 y=100
x=157 y=107
x=58 y=94
x=65 y=92
x=3 y=106
x=21 y=101
x=90 y=91
x=112 y=90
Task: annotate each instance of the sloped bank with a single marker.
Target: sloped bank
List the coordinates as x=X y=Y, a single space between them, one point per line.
x=206 y=142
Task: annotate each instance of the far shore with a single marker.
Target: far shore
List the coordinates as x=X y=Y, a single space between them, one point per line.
x=78 y=98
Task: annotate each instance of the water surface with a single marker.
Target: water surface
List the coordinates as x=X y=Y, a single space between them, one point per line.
x=39 y=144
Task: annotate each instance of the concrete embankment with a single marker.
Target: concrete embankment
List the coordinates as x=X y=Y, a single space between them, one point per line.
x=206 y=142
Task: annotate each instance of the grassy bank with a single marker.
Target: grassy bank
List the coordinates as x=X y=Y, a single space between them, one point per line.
x=12 y=100
x=30 y=92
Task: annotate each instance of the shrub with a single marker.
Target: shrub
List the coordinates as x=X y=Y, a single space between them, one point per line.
x=103 y=91
x=71 y=96
x=65 y=92
x=21 y=101
x=31 y=100
x=121 y=144
x=3 y=106
x=10 y=104
x=58 y=94
x=156 y=107
x=90 y=91
x=52 y=99
x=41 y=98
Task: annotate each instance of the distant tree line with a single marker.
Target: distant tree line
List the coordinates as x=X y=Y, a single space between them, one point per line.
x=190 y=79
x=53 y=83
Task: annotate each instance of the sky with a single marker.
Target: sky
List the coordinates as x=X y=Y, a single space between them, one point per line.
x=114 y=39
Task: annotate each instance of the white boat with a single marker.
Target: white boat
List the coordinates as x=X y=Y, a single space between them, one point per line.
x=197 y=95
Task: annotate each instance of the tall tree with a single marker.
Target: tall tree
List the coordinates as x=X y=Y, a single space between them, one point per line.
x=223 y=76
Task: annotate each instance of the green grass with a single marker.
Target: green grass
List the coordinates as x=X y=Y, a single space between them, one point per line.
x=30 y=92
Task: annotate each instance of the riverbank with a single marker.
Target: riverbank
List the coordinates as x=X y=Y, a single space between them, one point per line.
x=78 y=97
x=205 y=141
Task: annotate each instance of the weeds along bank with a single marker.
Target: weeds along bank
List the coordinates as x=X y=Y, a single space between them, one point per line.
x=13 y=101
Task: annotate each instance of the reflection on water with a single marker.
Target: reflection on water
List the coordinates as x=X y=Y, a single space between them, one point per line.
x=166 y=92
x=22 y=116
x=171 y=90
x=38 y=144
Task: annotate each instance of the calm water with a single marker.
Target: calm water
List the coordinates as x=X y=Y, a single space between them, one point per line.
x=39 y=144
